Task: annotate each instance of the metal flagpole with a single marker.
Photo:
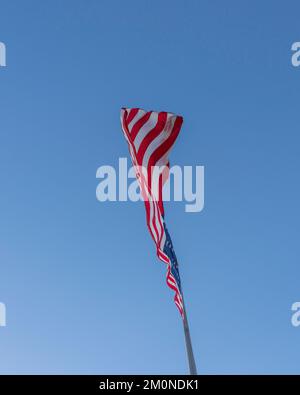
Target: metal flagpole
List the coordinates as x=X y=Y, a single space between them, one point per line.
x=188 y=342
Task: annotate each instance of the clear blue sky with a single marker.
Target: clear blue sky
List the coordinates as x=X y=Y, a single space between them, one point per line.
x=83 y=288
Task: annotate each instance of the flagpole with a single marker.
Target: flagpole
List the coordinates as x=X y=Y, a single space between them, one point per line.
x=188 y=342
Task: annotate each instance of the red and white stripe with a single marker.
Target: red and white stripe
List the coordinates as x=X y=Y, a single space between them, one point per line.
x=151 y=136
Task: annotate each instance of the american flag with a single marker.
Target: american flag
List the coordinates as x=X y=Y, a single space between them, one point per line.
x=151 y=136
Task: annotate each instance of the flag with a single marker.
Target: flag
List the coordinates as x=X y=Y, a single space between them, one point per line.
x=151 y=136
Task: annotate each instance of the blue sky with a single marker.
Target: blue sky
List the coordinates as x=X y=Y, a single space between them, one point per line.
x=83 y=288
